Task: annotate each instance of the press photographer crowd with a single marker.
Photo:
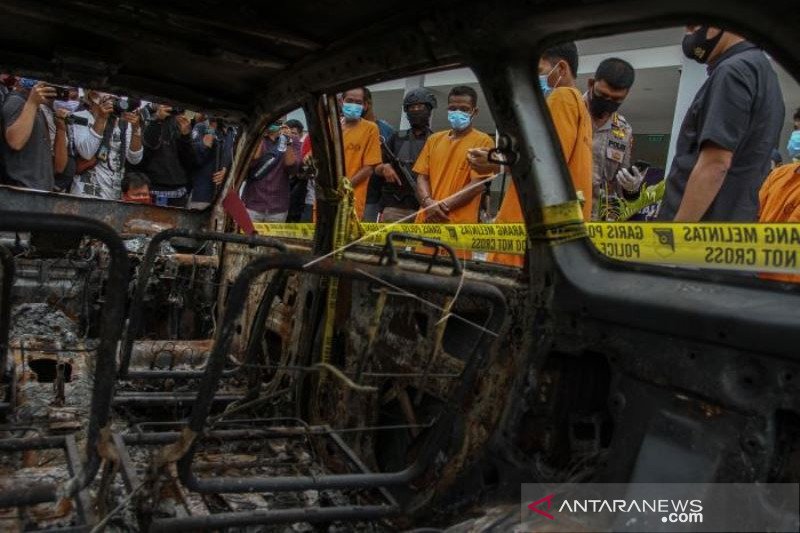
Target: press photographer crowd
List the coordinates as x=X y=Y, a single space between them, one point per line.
x=726 y=166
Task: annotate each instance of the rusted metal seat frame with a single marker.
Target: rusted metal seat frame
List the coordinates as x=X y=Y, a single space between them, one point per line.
x=248 y=430
x=435 y=441
x=68 y=445
x=105 y=363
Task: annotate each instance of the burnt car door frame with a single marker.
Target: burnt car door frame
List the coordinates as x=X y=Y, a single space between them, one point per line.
x=649 y=322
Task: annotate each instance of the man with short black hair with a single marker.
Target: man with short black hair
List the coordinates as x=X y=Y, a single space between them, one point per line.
x=213 y=140
x=723 y=151
x=266 y=192
x=558 y=72
x=105 y=144
x=168 y=156
x=362 y=145
x=295 y=128
x=444 y=175
x=30 y=150
x=612 y=138
x=136 y=188
x=558 y=69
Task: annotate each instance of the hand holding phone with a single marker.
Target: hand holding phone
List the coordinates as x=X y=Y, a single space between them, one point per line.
x=641 y=166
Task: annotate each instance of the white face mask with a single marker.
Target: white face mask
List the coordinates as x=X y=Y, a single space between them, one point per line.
x=69 y=105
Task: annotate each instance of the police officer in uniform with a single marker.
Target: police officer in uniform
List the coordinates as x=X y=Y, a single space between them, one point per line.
x=612 y=138
x=398 y=195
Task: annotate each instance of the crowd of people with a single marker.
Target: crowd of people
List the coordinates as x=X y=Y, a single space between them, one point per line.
x=96 y=144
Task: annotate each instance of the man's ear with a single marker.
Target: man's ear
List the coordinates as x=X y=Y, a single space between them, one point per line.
x=475 y=112
x=563 y=68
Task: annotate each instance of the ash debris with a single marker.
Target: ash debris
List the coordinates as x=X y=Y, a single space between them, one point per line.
x=138 y=245
x=42 y=320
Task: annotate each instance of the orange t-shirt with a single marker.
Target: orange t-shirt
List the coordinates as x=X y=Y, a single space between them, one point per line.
x=574 y=128
x=779 y=201
x=362 y=147
x=444 y=161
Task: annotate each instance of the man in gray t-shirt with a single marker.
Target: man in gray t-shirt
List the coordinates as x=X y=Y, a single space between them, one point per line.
x=724 y=148
x=28 y=149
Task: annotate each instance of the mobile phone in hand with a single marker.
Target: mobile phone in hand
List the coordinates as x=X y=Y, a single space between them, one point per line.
x=641 y=166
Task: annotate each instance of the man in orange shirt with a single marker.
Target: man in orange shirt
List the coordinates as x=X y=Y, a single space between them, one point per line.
x=558 y=69
x=362 y=145
x=442 y=167
x=779 y=201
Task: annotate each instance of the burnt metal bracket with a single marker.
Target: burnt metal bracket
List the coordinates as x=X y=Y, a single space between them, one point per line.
x=6 y=368
x=146 y=270
x=389 y=252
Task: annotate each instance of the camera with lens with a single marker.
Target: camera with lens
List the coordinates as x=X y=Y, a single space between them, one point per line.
x=126 y=105
x=74 y=119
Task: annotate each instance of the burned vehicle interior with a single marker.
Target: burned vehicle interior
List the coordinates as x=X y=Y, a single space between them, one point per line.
x=160 y=370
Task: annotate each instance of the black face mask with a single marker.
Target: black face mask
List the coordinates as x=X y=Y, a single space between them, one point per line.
x=600 y=107
x=697 y=46
x=419 y=119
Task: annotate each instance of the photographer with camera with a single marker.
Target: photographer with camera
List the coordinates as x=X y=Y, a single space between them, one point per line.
x=168 y=155
x=66 y=103
x=31 y=148
x=266 y=190
x=213 y=142
x=108 y=135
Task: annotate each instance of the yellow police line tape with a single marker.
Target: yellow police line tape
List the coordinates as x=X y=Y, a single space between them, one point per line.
x=749 y=247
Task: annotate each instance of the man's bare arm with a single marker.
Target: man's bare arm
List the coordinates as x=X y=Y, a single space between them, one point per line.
x=19 y=133
x=60 y=154
x=465 y=195
x=704 y=183
x=435 y=213
x=363 y=174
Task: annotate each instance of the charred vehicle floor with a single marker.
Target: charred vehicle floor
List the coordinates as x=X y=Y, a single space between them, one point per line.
x=267 y=436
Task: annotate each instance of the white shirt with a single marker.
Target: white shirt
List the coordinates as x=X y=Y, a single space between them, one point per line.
x=104 y=180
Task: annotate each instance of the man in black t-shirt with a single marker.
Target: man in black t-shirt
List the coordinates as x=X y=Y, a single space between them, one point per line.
x=725 y=144
x=168 y=156
x=398 y=196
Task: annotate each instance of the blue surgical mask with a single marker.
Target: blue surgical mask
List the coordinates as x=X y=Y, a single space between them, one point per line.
x=545 y=84
x=794 y=145
x=352 y=111
x=546 y=89
x=459 y=120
